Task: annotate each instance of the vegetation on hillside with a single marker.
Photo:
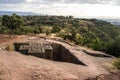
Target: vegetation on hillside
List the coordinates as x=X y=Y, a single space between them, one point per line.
x=96 y=34
x=116 y=63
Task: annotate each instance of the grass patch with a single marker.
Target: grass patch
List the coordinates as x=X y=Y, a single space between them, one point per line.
x=10 y=47
x=116 y=63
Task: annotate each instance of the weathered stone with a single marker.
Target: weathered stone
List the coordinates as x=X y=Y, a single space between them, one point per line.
x=36 y=49
x=17 y=45
x=40 y=52
x=24 y=47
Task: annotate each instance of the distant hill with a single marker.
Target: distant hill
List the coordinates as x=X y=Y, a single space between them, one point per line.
x=113 y=21
x=18 y=13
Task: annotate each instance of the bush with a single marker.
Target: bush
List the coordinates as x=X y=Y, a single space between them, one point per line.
x=56 y=29
x=116 y=63
x=4 y=30
x=10 y=47
x=114 y=48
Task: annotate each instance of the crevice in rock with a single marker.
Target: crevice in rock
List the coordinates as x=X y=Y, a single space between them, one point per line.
x=60 y=53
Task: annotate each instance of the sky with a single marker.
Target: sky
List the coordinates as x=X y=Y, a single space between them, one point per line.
x=76 y=8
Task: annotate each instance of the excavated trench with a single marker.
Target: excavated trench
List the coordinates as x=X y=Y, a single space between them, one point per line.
x=60 y=53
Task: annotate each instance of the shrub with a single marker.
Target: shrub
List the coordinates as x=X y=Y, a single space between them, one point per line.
x=4 y=30
x=56 y=29
x=114 y=48
x=10 y=47
x=116 y=63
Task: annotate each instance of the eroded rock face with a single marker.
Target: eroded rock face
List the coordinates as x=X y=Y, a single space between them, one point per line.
x=35 y=49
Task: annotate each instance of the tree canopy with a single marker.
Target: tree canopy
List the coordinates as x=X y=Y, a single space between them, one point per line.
x=12 y=22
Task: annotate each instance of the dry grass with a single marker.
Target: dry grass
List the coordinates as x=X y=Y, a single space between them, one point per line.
x=116 y=63
x=10 y=47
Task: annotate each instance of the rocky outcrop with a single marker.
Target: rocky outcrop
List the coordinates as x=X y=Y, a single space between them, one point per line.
x=16 y=66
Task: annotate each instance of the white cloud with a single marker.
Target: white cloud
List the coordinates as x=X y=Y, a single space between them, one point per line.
x=77 y=8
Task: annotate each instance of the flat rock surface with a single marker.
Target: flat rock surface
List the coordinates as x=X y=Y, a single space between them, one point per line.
x=16 y=66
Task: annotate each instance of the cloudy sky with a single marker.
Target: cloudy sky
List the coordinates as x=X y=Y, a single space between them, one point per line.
x=77 y=8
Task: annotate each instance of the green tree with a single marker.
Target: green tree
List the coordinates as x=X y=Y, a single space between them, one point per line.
x=4 y=30
x=6 y=20
x=12 y=22
x=96 y=44
x=114 y=48
x=56 y=29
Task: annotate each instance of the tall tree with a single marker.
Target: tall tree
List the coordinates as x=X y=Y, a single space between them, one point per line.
x=12 y=22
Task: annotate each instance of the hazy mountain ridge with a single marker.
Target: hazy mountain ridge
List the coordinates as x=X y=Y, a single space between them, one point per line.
x=18 y=13
x=113 y=21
